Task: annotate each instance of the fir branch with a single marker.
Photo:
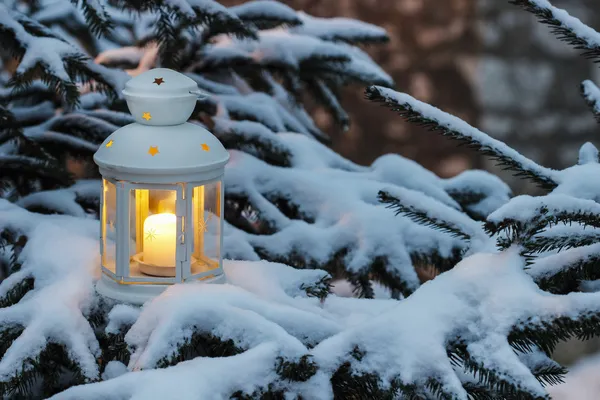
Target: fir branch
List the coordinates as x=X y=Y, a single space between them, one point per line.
x=350 y=385
x=436 y=260
x=21 y=173
x=296 y=371
x=319 y=289
x=113 y=347
x=436 y=120
x=421 y=216
x=343 y=30
x=265 y=14
x=288 y=207
x=568 y=278
x=200 y=344
x=48 y=366
x=380 y=272
x=98 y=19
x=559 y=241
x=495 y=381
x=591 y=95
x=550 y=374
x=467 y=200
x=564 y=26
x=361 y=283
x=253 y=138
x=16 y=242
x=17 y=292
x=543 y=217
x=545 y=334
x=325 y=96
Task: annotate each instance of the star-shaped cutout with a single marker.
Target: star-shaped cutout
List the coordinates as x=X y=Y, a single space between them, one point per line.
x=109 y=144
x=205 y=147
x=159 y=81
x=150 y=234
x=147 y=116
x=203 y=223
x=153 y=150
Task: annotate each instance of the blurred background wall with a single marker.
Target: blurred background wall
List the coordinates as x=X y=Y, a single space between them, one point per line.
x=486 y=61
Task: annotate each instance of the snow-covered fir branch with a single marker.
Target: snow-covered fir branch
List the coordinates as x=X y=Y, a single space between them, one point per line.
x=265 y=317
x=564 y=26
x=591 y=94
x=574 y=181
x=514 y=276
x=435 y=119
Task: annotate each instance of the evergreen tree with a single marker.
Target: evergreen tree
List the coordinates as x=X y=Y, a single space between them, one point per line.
x=484 y=329
x=259 y=61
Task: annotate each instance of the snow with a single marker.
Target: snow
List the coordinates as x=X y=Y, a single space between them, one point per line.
x=456 y=219
x=577 y=181
x=121 y=315
x=281 y=47
x=114 y=369
x=54 y=311
x=493 y=191
x=344 y=207
x=456 y=124
x=184 y=381
x=61 y=201
x=553 y=264
x=342 y=29
x=590 y=37
x=478 y=308
x=265 y=10
x=48 y=51
x=591 y=93
x=525 y=208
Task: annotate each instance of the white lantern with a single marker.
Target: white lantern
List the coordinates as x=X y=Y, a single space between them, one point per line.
x=162 y=201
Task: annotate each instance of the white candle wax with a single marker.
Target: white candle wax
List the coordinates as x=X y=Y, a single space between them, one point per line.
x=160 y=239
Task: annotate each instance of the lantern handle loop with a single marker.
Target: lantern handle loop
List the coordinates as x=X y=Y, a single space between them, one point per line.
x=200 y=93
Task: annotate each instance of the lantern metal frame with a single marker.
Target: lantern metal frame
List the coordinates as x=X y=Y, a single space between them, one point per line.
x=184 y=248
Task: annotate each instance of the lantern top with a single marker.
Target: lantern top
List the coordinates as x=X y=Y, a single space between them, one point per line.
x=161 y=154
x=161 y=97
x=160 y=83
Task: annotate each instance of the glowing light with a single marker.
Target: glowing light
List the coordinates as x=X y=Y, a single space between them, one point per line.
x=205 y=147
x=147 y=116
x=160 y=239
x=109 y=144
x=153 y=150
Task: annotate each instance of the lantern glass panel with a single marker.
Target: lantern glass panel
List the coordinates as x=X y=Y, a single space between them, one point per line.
x=206 y=217
x=108 y=225
x=152 y=233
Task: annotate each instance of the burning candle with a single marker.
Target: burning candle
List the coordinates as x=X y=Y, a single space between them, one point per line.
x=160 y=239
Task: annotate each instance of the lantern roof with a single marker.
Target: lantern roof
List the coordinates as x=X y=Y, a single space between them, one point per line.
x=161 y=154
x=161 y=147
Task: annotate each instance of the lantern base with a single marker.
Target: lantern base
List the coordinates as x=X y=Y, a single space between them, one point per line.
x=138 y=294
x=156 y=270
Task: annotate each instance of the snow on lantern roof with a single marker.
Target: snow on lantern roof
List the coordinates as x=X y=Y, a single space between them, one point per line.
x=161 y=147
